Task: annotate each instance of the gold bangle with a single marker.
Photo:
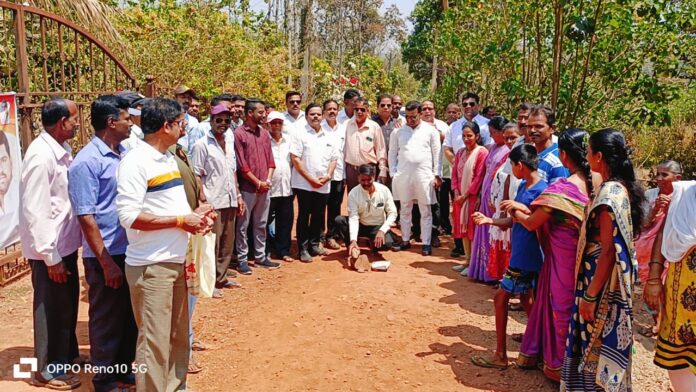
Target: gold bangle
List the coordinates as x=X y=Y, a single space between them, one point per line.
x=179 y=221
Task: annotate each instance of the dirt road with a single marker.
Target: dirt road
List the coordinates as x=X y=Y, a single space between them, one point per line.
x=322 y=327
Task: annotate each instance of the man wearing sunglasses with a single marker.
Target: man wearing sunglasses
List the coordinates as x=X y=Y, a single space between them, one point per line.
x=470 y=110
x=213 y=161
x=364 y=145
x=294 y=118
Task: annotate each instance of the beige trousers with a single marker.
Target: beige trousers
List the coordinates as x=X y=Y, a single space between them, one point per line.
x=160 y=307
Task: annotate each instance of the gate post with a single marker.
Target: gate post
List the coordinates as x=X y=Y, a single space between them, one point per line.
x=150 y=86
x=23 y=78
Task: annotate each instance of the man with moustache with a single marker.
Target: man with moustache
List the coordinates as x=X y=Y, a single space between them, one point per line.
x=213 y=162
x=371 y=212
x=454 y=142
x=92 y=189
x=397 y=104
x=338 y=184
x=184 y=96
x=384 y=118
x=364 y=144
x=295 y=120
x=541 y=127
x=349 y=99
x=50 y=235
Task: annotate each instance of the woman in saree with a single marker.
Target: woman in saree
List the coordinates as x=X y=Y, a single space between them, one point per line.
x=556 y=216
x=600 y=339
x=655 y=210
x=467 y=176
x=504 y=187
x=675 y=350
x=481 y=245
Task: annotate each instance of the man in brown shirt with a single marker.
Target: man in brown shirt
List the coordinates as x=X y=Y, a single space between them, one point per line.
x=364 y=145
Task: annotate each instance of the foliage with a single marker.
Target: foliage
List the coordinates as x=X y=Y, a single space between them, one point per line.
x=203 y=47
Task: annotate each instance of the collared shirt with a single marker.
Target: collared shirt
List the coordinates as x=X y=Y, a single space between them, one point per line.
x=550 y=166
x=280 y=183
x=136 y=137
x=150 y=182
x=365 y=144
x=291 y=125
x=204 y=127
x=192 y=133
x=316 y=150
x=342 y=116
x=253 y=150
x=455 y=140
x=387 y=128
x=48 y=226
x=92 y=188
x=216 y=168
x=376 y=210
x=338 y=132
x=444 y=129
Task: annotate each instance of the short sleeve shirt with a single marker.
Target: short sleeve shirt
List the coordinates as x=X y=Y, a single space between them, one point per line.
x=316 y=150
x=526 y=251
x=92 y=190
x=550 y=166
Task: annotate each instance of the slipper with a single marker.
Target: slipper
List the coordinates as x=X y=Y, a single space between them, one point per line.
x=197 y=345
x=287 y=259
x=483 y=362
x=517 y=337
x=193 y=366
x=64 y=382
x=515 y=307
x=648 y=332
x=217 y=293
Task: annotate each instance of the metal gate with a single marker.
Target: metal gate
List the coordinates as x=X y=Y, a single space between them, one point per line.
x=43 y=55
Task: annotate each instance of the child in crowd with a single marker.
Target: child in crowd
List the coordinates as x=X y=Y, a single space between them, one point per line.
x=526 y=257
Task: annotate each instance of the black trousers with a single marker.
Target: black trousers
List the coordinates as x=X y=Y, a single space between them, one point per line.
x=443 y=198
x=343 y=228
x=333 y=207
x=435 y=211
x=310 y=217
x=55 y=316
x=112 y=330
x=279 y=225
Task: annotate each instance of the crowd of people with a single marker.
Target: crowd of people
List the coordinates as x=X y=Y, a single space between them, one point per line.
x=552 y=219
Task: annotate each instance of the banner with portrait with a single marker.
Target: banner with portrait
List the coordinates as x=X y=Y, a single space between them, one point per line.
x=10 y=169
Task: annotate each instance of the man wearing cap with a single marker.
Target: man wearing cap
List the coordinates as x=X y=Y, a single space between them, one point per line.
x=255 y=164
x=295 y=120
x=280 y=213
x=364 y=144
x=213 y=161
x=184 y=95
x=135 y=103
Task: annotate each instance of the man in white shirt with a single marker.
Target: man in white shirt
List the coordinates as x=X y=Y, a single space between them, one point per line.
x=314 y=155
x=295 y=120
x=281 y=212
x=371 y=212
x=414 y=164
x=153 y=208
x=184 y=95
x=338 y=184
x=470 y=112
x=428 y=115
x=213 y=162
x=350 y=97
x=135 y=103
x=50 y=235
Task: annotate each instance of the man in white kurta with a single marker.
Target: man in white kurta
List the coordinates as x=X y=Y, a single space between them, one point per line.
x=414 y=165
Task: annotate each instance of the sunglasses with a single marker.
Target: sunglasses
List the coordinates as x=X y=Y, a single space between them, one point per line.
x=295 y=102
x=469 y=104
x=223 y=120
x=362 y=110
x=412 y=117
x=385 y=105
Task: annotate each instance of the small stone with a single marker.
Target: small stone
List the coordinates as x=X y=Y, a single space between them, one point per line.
x=297 y=324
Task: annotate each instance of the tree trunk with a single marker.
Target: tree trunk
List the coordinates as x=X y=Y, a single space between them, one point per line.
x=307 y=34
x=557 y=52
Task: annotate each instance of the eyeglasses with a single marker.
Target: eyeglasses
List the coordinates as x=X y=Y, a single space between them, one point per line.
x=469 y=104
x=362 y=110
x=223 y=120
x=180 y=123
x=428 y=109
x=414 y=117
x=295 y=102
x=385 y=105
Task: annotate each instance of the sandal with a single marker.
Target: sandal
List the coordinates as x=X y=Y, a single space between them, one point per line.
x=193 y=366
x=217 y=293
x=486 y=363
x=64 y=382
x=515 y=307
x=197 y=345
x=517 y=337
x=287 y=259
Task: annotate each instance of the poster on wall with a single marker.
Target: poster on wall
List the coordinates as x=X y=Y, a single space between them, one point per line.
x=10 y=162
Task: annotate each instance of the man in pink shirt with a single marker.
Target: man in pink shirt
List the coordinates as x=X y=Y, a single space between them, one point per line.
x=50 y=235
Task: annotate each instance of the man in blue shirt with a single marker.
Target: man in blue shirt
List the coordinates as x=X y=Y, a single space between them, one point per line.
x=92 y=189
x=541 y=126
